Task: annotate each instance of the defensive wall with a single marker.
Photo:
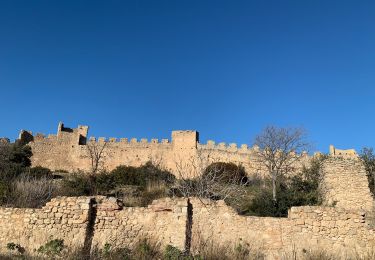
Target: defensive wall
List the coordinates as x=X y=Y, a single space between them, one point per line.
x=184 y=155
x=343 y=228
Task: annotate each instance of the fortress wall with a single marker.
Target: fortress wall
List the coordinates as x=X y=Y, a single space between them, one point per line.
x=345 y=184
x=183 y=155
x=53 y=153
x=124 y=153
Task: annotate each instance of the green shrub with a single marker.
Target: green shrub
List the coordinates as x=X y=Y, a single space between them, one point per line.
x=140 y=176
x=52 y=247
x=172 y=253
x=104 y=182
x=77 y=184
x=145 y=249
x=298 y=190
x=226 y=172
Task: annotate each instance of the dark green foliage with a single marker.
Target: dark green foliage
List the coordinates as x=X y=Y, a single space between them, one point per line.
x=368 y=157
x=20 y=155
x=15 y=248
x=172 y=253
x=14 y=158
x=52 y=247
x=140 y=176
x=226 y=172
x=106 y=182
x=299 y=190
x=78 y=184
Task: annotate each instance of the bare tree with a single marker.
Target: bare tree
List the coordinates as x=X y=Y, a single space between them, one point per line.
x=96 y=153
x=279 y=150
x=195 y=179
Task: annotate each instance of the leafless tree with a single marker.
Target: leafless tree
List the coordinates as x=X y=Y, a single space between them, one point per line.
x=96 y=153
x=195 y=179
x=279 y=150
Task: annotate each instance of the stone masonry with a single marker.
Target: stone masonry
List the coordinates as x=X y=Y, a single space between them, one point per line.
x=183 y=155
x=89 y=222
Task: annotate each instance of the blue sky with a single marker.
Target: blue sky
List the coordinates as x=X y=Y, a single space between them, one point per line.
x=225 y=68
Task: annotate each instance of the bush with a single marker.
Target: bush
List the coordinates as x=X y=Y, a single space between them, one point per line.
x=298 y=190
x=227 y=172
x=141 y=176
x=145 y=250
x=13 y=247
x=104 y=182
x=172 y=253
x=52 y=247
x=77 y=184
x=14 y=158
x=27 y=192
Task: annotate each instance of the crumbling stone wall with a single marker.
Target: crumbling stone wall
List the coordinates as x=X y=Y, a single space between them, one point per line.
x=63 y=218
x=338 y=231
x=345 y=185
x=215 y=222
x=93 y=221
x=163 y=221
x=345 y=233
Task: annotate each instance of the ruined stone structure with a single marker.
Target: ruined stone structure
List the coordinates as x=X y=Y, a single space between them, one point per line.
x=69 y=150
x=345 y=184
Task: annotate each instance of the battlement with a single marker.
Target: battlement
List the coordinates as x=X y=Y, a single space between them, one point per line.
x=68 y=150
x=349 y=153
x=114 y=140
x=231 y=147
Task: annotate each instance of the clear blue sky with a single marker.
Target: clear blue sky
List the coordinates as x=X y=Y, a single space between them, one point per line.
x=225 y=68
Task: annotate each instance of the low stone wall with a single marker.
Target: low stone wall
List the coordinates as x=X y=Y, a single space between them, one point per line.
x=340 y=231
x=337 y=231
x=63 y=218
x=88 y=222
x=163 y=221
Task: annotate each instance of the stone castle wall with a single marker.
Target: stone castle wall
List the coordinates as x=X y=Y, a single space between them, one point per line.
x=183 y=155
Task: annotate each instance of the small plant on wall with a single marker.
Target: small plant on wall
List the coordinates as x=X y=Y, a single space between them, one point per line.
x=52 y=248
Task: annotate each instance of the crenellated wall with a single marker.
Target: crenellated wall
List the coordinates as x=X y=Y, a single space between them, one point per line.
x=183 y=155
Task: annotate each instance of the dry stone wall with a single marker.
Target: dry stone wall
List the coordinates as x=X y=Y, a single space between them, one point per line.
x=163 y=221
x=338 y=231
x=89 y=222
x=63 y=218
